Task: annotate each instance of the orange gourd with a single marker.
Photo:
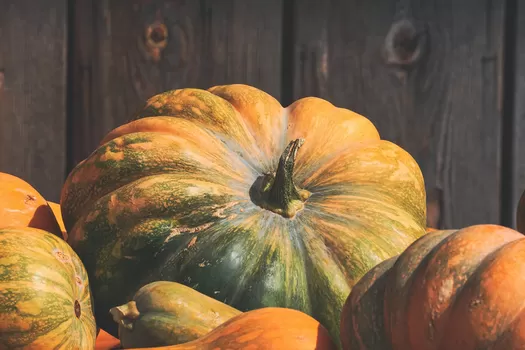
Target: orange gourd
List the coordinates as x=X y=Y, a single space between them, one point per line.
x=23 y=206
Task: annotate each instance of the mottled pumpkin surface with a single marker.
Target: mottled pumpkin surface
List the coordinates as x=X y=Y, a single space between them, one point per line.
x=22 y=205
x=45 y=301
x=454 y=289
x=178 y=194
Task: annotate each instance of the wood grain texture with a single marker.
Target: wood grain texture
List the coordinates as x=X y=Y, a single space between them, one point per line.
x=127 y=51
x=518 y=117
x=428 y=74
x=33 y=92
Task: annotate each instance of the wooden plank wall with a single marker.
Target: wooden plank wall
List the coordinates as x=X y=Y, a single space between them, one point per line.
x=33 y=37
x=516 y=129
x=127 y=51
x=429 y=74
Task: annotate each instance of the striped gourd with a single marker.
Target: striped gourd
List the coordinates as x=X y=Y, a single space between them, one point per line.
x=45 y=300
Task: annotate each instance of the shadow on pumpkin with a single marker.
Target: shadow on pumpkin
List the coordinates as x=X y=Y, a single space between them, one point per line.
x=44 y=219
x=324 y=341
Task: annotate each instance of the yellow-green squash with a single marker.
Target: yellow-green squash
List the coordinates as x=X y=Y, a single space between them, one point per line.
x=168 y=313
x=45 y=301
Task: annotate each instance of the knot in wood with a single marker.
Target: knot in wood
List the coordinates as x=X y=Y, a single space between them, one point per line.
x=404 y=44
x=156 y=39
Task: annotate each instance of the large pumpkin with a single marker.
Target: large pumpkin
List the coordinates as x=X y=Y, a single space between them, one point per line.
x=45 y=301
x=243 y=200
x=22 y=205
x=455 y=289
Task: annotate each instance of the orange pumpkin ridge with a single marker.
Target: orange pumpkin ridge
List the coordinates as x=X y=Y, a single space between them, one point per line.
x=455 y=289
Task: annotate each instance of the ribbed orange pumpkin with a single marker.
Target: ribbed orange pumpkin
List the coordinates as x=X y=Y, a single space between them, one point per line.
x=449 y=290
x=22 y=206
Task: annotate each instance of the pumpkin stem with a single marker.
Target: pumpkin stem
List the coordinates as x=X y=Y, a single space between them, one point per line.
x=278 y=192
x=125 y=314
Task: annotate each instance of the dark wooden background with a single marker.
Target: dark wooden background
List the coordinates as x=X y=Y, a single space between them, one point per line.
x=441 y=78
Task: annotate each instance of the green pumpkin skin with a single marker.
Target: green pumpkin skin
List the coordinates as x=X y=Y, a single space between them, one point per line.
x=168 y=313
x=185 y=194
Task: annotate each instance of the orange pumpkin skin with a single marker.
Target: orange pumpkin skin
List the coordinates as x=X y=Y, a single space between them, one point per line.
x=21 y=205
x=453 y=289
x=106 y=341
x=261 y=329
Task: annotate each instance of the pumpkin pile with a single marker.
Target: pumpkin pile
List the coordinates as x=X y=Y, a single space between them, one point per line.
x=218 y=219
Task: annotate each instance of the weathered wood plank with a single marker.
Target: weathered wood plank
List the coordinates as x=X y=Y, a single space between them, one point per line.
x=517 y=123
x=428 y=75
x=33 y=39
x=127 y=51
